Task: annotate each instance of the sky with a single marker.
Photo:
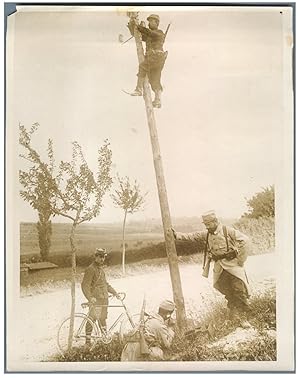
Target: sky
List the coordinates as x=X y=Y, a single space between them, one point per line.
x=221 y=125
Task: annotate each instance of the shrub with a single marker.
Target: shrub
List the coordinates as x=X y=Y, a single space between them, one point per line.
x=261 y=232
x=262 y=204
x=101 y=352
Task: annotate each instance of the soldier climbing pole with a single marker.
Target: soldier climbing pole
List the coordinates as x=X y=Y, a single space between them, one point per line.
x=161 y=186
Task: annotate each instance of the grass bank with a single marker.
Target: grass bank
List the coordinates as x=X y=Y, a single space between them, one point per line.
x=219 y=338
x=222 y=340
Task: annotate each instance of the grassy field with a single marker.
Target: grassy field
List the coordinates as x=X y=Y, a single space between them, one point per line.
x=88 y=237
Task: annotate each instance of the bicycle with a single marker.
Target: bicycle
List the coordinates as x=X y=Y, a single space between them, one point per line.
x=99 y=334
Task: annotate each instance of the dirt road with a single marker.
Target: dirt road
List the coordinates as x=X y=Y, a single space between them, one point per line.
x=39 y=316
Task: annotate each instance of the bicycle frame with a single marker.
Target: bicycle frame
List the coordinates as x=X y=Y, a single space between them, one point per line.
x=84 y=321
x=99 y=333
x=119 y=318
x=121 y=297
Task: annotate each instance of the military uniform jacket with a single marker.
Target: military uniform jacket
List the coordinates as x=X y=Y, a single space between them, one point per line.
x=158 y=336
x=154 y=39
x=217 y=246
x=94 y=283
x=157 y=333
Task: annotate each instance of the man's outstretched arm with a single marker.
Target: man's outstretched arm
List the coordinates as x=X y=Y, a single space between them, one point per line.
x=152 y=33
x=191 y=236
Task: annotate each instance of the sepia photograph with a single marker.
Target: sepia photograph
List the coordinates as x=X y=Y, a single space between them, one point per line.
x=149 y=188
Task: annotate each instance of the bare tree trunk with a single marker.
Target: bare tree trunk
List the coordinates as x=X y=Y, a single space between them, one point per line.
x=162 y=193
x=73 y=280
x=123 y=244
x=44 y=228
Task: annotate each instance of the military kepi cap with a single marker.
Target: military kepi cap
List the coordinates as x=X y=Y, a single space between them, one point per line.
x=154 y=16
x=209 y=216
x=167 y=305
x=100 y=252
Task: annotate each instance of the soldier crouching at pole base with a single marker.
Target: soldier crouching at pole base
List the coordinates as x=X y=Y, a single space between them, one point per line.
x=154 y=58
x=228 y=248
x=95 y=288
x=158 y=334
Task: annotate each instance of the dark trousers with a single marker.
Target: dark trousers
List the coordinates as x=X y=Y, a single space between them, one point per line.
x=235 y=291
x=152 y=66
x=97 y=314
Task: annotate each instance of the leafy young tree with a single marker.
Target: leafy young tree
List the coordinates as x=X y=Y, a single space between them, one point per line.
x=129 y=198
x=262 y=204
x=76 y=193
x=38 y=194
x=80 y=196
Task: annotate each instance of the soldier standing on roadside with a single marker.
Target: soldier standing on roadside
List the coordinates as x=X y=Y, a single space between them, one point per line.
x=95 y=288
x=228 y=248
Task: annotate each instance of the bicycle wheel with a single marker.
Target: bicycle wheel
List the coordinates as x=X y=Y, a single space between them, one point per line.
x=126 y=326
x=79 y=334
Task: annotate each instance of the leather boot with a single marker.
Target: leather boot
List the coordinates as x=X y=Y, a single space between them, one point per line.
x=139 y=87
x=157 y=100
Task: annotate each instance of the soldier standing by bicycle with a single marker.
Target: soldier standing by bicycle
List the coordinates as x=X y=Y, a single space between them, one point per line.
x=95 y=288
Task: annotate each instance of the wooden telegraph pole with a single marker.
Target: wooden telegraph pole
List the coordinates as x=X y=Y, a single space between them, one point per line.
x=161 y=186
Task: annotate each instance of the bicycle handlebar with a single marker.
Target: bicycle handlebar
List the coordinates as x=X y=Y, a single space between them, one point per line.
x=122 y=296
x=88 y=304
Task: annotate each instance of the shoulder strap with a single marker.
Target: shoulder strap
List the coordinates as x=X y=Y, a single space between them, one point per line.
x=206 y=242
x=226 y=236
x=205 y=250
